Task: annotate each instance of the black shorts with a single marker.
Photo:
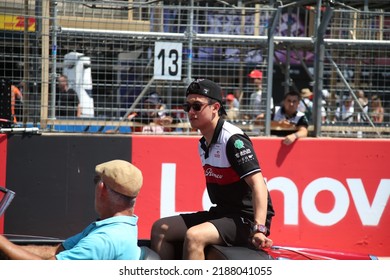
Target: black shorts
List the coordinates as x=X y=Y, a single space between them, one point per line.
x=233 y=229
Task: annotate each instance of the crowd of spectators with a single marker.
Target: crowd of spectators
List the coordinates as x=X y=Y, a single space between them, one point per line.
x=243 y=106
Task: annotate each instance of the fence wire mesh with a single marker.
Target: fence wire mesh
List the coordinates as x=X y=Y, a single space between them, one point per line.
x=117 y=54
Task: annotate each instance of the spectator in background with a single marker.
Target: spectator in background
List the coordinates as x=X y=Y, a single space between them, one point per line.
x=232 y=108
x=153 y=115
x=15 y=94
x=376 y=112
x=238 y=94
x=363 y=101
x=345 y=112
x=287 y=121
x=257 y=101
x=67 y=104
x=306 y=105
x=114 y=236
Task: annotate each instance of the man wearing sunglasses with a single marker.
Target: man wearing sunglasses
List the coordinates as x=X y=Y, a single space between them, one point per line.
x=112 y=237
x=243 y=209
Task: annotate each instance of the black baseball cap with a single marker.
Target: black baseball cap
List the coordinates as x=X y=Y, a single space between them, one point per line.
x=208 y=89
x=153 y=98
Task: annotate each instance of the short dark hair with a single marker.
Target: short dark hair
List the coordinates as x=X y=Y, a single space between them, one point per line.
x=292 y=93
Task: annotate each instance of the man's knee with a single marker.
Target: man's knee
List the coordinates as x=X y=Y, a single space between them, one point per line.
x=170 y=227
x=194 y=237
x=158 y=228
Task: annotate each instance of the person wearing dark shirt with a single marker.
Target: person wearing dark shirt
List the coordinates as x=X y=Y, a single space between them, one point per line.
x=242 y=211
x=287 y=121
x=66 y=99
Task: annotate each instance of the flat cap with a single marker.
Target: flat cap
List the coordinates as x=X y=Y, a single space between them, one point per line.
x=121 y=176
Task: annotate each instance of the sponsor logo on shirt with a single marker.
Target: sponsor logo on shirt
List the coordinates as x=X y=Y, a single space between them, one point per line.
x=244 y=153
x=210 y=173
x=239 y=144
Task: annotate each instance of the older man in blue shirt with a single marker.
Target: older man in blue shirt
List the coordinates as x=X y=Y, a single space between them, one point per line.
x=113 y=237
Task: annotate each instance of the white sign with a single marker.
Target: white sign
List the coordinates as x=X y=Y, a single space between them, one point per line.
x=167 y=61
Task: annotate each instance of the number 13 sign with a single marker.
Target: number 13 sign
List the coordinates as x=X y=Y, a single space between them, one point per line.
x=167 y=61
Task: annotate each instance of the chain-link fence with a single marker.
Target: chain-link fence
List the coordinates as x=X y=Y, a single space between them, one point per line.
x=116 y=66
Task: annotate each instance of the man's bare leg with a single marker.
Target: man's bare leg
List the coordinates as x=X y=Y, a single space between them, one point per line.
x=164 y=233
x=197 y=238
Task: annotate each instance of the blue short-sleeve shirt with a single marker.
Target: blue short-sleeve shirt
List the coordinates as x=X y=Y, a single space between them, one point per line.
x=113 y=238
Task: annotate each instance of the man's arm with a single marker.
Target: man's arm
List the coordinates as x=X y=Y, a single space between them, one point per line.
x=78 y=113
x=260 y=204
x=300 y=133
x=17 y=252
x=165 y=120
x=44 y=251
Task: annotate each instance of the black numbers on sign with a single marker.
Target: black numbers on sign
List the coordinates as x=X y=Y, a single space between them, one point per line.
x=173 y=68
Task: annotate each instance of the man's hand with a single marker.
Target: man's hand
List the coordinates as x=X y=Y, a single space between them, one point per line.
x=260 y=241
x=289 y=139
x=166 y=120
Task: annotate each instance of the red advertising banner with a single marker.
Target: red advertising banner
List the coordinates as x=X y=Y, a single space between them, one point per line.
x=327 y=193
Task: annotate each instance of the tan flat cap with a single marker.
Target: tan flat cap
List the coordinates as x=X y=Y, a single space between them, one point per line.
x=121 y=176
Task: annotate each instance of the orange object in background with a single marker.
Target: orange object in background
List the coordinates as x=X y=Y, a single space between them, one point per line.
x=15 y=93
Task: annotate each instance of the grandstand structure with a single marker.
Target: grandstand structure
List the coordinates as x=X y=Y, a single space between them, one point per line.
x=122 y=50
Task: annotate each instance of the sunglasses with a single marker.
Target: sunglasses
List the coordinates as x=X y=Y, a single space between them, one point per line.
x=96 y=179
x=196 y=106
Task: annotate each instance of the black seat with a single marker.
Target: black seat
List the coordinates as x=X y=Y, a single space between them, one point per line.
x=218 y=252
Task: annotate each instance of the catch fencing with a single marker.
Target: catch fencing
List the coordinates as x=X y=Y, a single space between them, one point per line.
x=115 y=53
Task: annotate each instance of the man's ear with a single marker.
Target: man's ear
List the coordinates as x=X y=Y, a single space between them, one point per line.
x=102 y=188
x=218 y=106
